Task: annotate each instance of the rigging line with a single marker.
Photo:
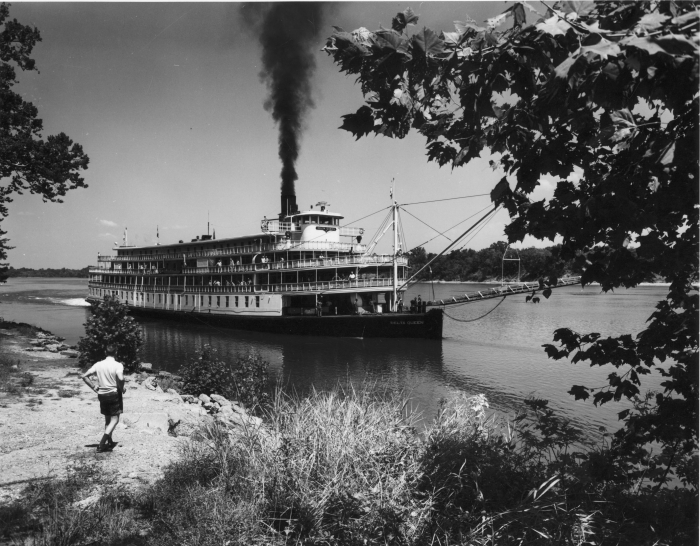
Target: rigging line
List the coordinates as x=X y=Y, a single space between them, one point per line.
x=360 y=219
x=453 y=243
x=403 y=234
x=382 y=228
x=451 y=228
x=431 y=227
x=447 y=199
x=477 y=232
x=477 y=318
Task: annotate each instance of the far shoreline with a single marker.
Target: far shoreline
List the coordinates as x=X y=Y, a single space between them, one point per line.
x=522 y=282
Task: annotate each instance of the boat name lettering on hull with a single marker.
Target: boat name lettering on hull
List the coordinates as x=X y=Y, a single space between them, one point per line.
x=406 y=322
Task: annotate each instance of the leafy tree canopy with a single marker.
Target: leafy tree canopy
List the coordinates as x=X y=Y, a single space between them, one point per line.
x=47 y=167
x=606 y=89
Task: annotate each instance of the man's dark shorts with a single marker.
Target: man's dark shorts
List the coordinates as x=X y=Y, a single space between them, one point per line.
x=111 y=403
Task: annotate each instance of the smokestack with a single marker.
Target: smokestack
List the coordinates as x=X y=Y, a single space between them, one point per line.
x=288 y=32
x=289 y=203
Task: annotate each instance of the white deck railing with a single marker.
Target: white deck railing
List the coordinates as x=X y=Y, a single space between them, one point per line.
x=233 y=251
x=317 y=263
x=275 y=226
x=320 y=286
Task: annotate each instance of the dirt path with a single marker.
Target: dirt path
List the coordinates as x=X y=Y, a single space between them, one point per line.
x=56 y=422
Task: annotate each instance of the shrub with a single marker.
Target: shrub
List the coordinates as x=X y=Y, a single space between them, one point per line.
x=110 y=324
x=245 y=380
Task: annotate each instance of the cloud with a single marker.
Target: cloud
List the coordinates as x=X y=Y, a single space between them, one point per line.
x=108 y=235
x=108 y=223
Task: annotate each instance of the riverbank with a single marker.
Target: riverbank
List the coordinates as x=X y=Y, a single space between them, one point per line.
x=50 y=421
x=344 y=467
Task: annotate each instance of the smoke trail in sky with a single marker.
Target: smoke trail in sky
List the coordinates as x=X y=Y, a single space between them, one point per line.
x=287 y=32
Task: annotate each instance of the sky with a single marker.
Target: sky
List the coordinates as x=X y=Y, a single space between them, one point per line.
x=167 y=102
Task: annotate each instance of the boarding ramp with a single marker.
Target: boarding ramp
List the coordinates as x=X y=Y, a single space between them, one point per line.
x=507 y=290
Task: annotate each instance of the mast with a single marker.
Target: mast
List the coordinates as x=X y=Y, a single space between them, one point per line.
x=394 y=287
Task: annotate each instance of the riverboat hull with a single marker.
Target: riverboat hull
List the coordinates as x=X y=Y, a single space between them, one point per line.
x=394 y=325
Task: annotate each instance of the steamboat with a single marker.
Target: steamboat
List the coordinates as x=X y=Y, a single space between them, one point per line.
x=301 y=273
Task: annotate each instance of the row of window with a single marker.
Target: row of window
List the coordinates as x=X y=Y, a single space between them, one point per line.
x=248 y=301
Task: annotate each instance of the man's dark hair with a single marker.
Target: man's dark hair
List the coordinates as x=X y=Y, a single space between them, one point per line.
x=110 y=349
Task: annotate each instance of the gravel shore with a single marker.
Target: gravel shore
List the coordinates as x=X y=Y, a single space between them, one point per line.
x=55 y=422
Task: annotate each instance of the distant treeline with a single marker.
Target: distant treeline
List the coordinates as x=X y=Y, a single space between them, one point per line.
x=63 y=272
x=485 y=265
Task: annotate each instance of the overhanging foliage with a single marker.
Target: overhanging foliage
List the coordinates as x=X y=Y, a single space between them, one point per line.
x=604 y=98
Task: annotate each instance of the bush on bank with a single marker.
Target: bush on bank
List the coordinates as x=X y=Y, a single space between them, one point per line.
x=245 y=379
x=349 y=467
x=110 y=323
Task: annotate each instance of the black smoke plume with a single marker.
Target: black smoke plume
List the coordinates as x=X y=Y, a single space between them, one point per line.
x=288 y=32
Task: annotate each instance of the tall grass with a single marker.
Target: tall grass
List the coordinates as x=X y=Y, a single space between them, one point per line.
x=348 y=467
x=332 y=466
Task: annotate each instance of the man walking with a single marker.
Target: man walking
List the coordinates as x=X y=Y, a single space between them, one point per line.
x=110 y=378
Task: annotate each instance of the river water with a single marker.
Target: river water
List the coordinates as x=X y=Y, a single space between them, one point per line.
x=499 y=355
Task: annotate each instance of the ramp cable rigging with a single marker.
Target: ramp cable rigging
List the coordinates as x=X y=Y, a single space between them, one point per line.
x=425 y=224
x=451 y=228
x=477 y=318
x=493 y=211
x=476 y=233
x=447 y=199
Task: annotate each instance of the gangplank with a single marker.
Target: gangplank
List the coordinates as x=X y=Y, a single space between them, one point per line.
x=505 y=290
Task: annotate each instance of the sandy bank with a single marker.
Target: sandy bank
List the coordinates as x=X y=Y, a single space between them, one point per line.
x=56 y=422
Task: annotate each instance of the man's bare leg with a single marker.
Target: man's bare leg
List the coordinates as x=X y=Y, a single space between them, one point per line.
x=109 y=427
x=110 y=424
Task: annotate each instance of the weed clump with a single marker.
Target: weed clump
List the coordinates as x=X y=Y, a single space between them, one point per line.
x=12 y=379
x=84 y=507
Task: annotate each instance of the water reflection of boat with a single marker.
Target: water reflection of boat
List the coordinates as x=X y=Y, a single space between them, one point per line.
x=303 y=273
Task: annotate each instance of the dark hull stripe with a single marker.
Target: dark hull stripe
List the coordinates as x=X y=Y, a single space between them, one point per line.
x=427 y=325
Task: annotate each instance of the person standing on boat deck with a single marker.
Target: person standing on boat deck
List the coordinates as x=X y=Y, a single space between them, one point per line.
x=319 y=308
x=110 y=379
x=413 y=306
x=399 y=305
x=419 y=304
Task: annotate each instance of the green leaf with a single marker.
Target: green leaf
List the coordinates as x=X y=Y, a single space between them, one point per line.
x=428 y=43
x=562 y=71
x=555 y=26
x=652 y=21
x=452 y=38
x=603 y=49
x=579 y=392
x=500 y=191
x=671 y=44
x=360 y=123
x=669 y=152
x=463 y=28
x=579 y=7
x=518 y=15
x=403 y=19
